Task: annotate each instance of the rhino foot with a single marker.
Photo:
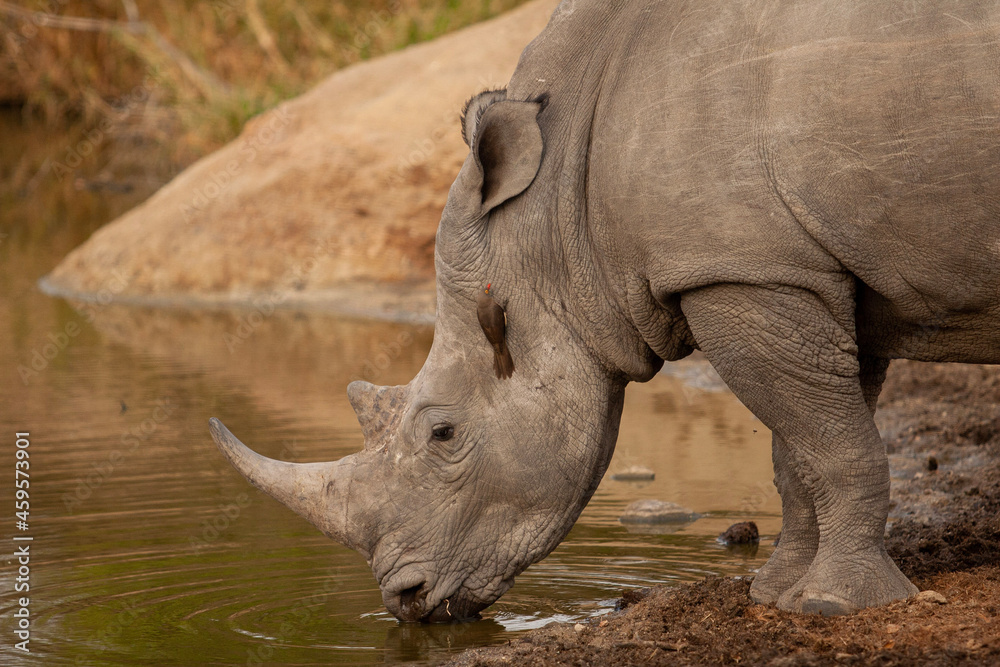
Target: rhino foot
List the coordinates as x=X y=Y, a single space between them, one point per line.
x=843 y=584
x=786 y=566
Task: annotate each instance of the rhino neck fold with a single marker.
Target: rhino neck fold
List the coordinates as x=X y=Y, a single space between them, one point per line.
x=591 y=271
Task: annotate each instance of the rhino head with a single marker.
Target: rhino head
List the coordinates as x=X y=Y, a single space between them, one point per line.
x=466 y=479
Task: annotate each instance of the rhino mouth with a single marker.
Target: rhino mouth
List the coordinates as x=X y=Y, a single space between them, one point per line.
x=413 y=600
x=418 y=604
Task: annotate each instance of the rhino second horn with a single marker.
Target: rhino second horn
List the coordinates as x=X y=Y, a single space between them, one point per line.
x=378 y=410
x=316 y=491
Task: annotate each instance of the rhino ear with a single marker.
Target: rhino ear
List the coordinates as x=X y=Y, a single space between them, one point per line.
x=472 y=113
x=507 y=145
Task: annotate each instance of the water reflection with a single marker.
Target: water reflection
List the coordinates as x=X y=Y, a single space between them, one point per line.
x=410 y=643
x=155 y=549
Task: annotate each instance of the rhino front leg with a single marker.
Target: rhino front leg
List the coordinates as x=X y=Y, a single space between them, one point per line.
x=799 y=528
x=794 y=363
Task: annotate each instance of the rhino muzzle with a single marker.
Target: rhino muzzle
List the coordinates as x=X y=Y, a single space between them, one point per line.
x=418 y=604
x=346 y=500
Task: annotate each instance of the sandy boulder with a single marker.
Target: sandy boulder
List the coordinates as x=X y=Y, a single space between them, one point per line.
x=339 y=187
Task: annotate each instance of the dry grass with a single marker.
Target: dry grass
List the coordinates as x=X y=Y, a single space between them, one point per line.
x=175 y=79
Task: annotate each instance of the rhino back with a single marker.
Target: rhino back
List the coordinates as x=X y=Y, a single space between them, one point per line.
x=769 y=142
x=888 y=153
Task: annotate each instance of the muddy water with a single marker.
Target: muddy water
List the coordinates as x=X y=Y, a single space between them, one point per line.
x=149 y=549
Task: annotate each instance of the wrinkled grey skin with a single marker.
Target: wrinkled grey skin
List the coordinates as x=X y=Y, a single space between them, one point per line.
x=802 y=190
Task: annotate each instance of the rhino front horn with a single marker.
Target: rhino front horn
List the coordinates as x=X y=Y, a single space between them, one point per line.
x=316 y=491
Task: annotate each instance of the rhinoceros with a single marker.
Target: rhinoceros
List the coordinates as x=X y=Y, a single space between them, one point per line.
x=802 y=190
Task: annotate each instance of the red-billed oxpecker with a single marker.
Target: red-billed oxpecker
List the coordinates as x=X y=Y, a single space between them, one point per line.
x=494 y=323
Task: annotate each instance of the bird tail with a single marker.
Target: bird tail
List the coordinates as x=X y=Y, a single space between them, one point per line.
x=503 y=363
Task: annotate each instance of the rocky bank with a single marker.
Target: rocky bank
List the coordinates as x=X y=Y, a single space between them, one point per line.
x=328 y=196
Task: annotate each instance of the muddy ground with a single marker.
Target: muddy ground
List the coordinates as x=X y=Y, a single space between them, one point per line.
x=941 y=426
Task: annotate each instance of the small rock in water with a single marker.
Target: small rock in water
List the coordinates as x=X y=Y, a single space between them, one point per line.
x=634 y=474
x=579 y=627
x=932 y=463
x=741 y=533
x=656 y=511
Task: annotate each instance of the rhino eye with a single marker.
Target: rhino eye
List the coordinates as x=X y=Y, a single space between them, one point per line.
x=443 y=432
